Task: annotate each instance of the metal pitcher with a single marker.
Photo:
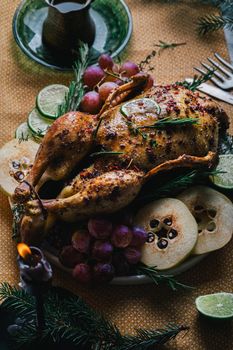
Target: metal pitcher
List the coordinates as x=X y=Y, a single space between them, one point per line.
x=67 y=23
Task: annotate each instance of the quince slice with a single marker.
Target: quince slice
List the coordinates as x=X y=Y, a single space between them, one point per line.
x=172 y=232
x=214 y=215
x=16 y=159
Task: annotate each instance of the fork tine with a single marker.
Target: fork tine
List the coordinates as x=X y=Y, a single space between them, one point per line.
x=217 y=74
x=214 y=80
x=217 y=65
x=227 y=64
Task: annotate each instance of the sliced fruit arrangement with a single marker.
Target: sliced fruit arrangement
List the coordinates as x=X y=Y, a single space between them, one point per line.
x=214 y=214
x=172 y=232
x=38 y=124
x=224 y=172
x=16 y=159
x=50 y=98
x=218 y=306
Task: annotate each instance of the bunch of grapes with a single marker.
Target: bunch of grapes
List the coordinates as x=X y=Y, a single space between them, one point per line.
x=102 y=79
x=103 y=250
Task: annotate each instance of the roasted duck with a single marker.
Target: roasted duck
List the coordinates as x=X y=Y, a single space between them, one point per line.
x=126 y=148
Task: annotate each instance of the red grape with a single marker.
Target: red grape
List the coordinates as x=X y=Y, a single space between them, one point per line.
x=105 y=89
x=82 y=273
x=91 y=102
x=102 y=250
x=70 y=257
x=92 y=76
x=120 y=264
x=133 y=255
x=128 y=69
x=139 y=237
x=81 y=241
x=100 y=228
x=103 y=272
x=105 y=61
x=121 y=236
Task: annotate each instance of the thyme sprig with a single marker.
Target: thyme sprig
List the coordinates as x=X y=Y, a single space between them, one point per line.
x=168 y=122
x=69 y=320
x=76 y=88
x=158 y=278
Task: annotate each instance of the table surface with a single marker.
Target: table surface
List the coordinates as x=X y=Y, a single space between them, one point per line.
x=137 y=306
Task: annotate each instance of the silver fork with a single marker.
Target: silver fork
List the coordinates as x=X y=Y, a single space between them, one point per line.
x=225 y=80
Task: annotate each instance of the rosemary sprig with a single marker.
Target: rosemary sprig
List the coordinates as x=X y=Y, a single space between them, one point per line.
x=174 y=186
x=69 y=320
x=163 y=45
x=157 y=277
x=197 y=80
x=168 y=122
x=76 y=88
x=105 y=153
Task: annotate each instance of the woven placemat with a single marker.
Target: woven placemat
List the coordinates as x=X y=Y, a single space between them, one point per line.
x=137 y=306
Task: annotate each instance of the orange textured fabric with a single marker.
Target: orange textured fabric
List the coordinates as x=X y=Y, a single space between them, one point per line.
x=128 y=306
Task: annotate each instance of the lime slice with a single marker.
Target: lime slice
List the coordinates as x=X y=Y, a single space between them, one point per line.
x=50 y=98
x=218 y=305
x=140 y=106
x=224 y=179
x=37 y=123
x=23 y=132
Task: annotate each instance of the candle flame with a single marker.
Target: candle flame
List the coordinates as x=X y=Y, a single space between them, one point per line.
x=23 y=250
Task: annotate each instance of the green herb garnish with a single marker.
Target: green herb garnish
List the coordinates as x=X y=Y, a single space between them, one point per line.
x=167 y=122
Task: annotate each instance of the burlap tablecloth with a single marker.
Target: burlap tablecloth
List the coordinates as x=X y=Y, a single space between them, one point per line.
x=128 y=306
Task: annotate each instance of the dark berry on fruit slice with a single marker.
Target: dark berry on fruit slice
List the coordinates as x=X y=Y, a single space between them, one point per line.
x=162 y=243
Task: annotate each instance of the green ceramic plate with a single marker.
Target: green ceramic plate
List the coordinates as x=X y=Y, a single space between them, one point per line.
x=112 y=19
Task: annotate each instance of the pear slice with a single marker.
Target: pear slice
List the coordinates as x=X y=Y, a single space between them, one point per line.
x=16 y=159
x=214 y=214
x=172 y=232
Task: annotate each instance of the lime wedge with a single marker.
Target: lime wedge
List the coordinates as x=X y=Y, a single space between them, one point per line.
x=217 y=306
x=37 y=123
x=224 y=179
x=140 y=106
x=50 y=98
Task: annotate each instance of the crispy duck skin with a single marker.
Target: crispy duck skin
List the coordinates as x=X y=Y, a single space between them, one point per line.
x=114 y=180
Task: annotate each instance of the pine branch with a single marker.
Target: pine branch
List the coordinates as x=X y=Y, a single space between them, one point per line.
x=148 y=339
x=16 y=300
x=210 y=23
x=76 y=88
x=70 y=321
x=158 y=278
